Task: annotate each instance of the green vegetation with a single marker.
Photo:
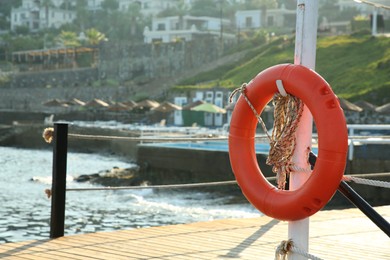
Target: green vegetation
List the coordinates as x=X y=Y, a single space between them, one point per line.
x=356 y=66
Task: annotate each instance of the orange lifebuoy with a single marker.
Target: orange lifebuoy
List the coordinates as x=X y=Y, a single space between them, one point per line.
x=329 y=118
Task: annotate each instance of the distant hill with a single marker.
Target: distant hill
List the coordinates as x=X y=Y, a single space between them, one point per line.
x=356 y=66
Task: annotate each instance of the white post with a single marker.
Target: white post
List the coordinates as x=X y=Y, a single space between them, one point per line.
x=374 y=21
x=305 y=54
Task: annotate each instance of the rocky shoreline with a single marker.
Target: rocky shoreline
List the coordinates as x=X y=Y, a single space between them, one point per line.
x=114 y=177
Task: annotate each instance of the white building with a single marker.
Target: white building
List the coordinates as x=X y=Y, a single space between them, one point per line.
x=168 y=29
x=37 y=17
x=148 y=7
x=255 y=19
x=212 y=97
x=178 y=116
x=218 y=101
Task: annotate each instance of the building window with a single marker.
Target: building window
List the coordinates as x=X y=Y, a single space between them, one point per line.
x=270 y=21
x=248 y=22
x=161 y=27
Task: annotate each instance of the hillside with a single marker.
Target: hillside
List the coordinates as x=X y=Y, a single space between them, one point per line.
x=356 y=66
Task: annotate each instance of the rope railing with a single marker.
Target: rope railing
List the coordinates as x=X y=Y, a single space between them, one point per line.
x=159 y=138
x=167 y=186
x=357 y=178
x=376 y=183
x=146 y=139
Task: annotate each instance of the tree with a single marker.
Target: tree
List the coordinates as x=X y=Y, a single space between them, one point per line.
x=205 y=8
x=7 y=5
x=68 y=39
x=84 y=18
x=330 y=10
x=94 y=37
x=259 y=4
x=135 y=16
x=110 y=5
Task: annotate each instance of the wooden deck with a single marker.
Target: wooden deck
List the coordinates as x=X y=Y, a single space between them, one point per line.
x=335 y=234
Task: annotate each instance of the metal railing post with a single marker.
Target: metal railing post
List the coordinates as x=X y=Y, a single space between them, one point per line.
x=364 y=207
x=359 y=202
x=58 y=190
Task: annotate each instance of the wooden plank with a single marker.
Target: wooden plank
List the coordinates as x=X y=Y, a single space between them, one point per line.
x=334 y=234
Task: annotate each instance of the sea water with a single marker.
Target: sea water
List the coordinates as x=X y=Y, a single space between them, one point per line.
x=25 y=209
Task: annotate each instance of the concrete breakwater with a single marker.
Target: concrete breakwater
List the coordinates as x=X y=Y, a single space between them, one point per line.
x=368 y=158
x=160 y=164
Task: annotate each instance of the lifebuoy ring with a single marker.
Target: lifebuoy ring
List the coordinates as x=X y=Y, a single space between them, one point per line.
x=329 y=118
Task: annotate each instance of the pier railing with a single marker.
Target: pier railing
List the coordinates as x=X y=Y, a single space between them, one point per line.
x=58 y=191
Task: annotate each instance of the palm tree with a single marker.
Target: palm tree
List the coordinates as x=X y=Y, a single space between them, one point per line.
x=94 y=38
x=68 y=39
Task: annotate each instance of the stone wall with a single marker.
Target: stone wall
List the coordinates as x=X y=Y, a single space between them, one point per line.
x=118 y=62
x=54 y=78
x=126 y=62
x=150 y=61
x=32 y=99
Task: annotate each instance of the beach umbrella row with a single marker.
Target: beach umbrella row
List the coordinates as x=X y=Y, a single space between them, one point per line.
x=199 y=105
x=362 y=105
x=98 y=103
x=166 y=107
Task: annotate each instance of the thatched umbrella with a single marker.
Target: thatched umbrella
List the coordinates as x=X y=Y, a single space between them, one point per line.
x=148 y=103
x=130 y=104
x=75 y=102
x=348 y=106
x=166 y=107
x=96 y=103
x=118 y=107
x=365 y=105
x=383 y=109
x=55 y=103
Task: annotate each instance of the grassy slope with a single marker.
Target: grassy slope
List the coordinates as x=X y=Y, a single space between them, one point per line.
x=357 y=67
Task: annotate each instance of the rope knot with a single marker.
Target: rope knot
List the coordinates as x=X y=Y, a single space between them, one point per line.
x=239 y=89
x=48 y=134
x=283 y=249
x=48 y=193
